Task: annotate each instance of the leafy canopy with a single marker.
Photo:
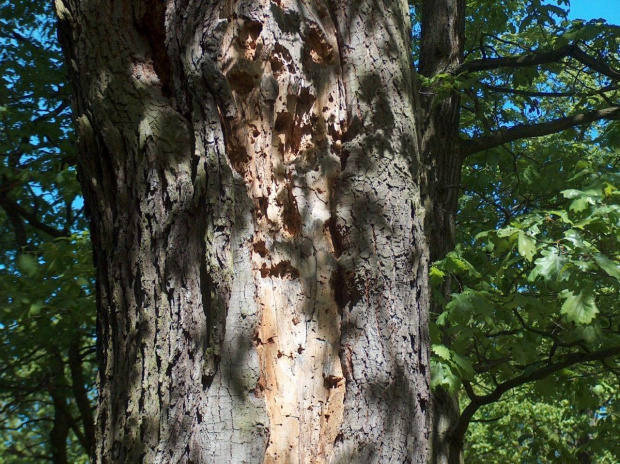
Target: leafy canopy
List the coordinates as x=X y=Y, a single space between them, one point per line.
x=46 y=295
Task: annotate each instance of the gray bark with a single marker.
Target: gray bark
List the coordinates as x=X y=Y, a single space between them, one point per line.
x=251 y=168
x=442 y=42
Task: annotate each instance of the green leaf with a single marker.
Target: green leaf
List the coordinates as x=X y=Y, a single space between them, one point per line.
x=588 y=333
x=576 y=239
x=507 y=232
x=442 y=376
x=551 y=265
x=467 y=304
x=571 y=193
x=526 y=246
x=580 y=308
x=442 y=319
x=436 y=275
x=464 y=366
x=442 y=351
x=82 y=282
x=580 y=204
x=27 y=264
x=581 y=199
x=598 y=390
x=35 y=309
x=458 y=265
x=607 y=265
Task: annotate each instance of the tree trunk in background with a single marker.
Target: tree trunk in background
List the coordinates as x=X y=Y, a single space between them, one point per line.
x=57 y=386
x=251 y=168
x=441 y=50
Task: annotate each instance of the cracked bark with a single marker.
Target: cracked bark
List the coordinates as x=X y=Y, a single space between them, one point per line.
x=251 y=169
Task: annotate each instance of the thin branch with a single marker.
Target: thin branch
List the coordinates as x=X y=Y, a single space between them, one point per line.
x=530 y=93
x=64 y=104
x=12 y=207
x=504 y=41
x=477 y=401
x=526 y=131
x=536 y=59
x=20 y=38
x=80 y=394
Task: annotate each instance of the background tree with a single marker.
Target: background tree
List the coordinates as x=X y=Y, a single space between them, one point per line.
x=46 y=300
x=530 y=315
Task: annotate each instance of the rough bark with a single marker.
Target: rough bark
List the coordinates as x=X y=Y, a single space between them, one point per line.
x=251 y=168
x=441 y=49
x=442 y=42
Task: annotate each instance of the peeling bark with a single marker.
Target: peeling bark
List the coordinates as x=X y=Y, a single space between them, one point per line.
x=251 y=168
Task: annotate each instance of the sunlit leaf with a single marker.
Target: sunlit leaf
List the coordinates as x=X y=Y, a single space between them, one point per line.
x=526 y=246
x=579 y=308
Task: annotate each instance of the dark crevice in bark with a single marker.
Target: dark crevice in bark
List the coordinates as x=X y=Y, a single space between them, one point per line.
x=335 y=236
x=206 y=289
x=150 y=16
x=345 y=293
x=282 y=270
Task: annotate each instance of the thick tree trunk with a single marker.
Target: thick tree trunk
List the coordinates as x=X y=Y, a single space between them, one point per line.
x=251 y=168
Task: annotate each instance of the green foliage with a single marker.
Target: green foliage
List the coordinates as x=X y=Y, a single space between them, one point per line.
x=532 y=289
x=536 y=274
x=46 y=275
x=537 y=425
x=45 y=311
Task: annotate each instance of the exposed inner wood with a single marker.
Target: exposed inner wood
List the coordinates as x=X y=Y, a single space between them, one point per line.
x=289 y=113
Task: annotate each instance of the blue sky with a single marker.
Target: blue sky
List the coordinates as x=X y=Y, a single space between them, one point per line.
x=594 y=9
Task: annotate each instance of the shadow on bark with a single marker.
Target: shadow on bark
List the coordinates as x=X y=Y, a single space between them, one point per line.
x=176 y=216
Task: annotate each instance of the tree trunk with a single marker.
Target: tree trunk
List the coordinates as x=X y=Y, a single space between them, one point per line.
x=441 y=49
x=57 y=387
x=251 y=168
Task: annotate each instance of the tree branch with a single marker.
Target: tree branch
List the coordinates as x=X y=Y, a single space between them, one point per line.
x=12 y=207
x=536 y=59
x=476 y=402
x=64 y=104
x=80 y=394
x=530 y=93
x=523 y=131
